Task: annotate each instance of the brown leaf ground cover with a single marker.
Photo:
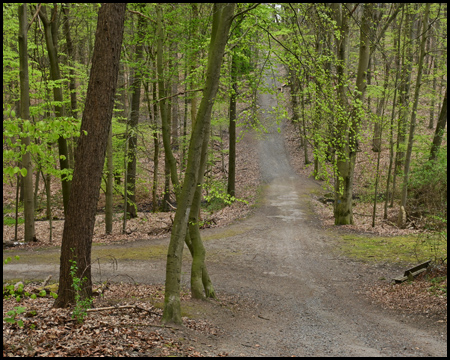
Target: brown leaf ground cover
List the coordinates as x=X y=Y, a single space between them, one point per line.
x=129 y=325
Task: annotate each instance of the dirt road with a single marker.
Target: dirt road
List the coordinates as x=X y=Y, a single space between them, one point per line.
x=304 y=297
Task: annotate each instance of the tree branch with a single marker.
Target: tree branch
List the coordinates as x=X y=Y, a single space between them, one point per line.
x=140 y=14
x=34 y=16
x=180 y=93
x=244 y=11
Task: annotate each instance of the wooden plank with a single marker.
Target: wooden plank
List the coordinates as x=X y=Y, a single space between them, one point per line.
x=424 y=265
x=411 y=273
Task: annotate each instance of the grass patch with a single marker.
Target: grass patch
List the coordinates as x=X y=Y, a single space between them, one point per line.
x=9 y=221
x=397 y=249
x=131 y=253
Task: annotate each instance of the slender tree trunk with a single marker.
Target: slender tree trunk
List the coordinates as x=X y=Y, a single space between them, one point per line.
x=415 y=104
x=174 y=99
x=194 y=64
x=440 y=128
x=156 y=145
x=27 y=180
x=109 y=186
x=90 y=153
x=403 y=98
x=391 y=128
x=170 y=162
x=72 y=79
x=305 y=141
x=231 y=188
x=222 y=17
x=134 y=120
x=50 y=33
x=154 y=125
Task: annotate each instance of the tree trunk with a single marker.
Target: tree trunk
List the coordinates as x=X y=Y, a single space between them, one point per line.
x=174 y=99
x=90 y=153
x=170 y=162
x=50 y=32
x=404 y=92
x=153 y=124
x=415 y=104
x=343 y=212
x=27 y=180
x=231 y=188
x=222 y=17
x=109 y=185
x=391 y=127
x=440 y=128
x=134 y=120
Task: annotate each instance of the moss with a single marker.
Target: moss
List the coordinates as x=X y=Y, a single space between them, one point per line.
x=397 y=249
x=227 y=233
x=144 y=252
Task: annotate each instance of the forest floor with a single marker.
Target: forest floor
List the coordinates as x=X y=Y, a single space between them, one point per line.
x=284 y=287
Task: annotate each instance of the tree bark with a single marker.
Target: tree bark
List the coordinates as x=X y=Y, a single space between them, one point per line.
x=50 y=33
x=90 y=153
x=109 y=185
x=231 y=187
x=27 y=180
x=346 y=158
x=440 y=128
x=415 y=104
x=171 y=163
x=134 y=120
x=222 y=18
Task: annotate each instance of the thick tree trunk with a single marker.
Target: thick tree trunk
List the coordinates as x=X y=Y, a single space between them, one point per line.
x=28 y=200
x=222 y=17
x=90 y=152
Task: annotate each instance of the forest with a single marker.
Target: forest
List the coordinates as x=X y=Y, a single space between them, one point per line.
x=125 y=122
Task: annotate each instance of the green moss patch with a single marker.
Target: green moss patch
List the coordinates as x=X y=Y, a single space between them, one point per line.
x=397 y=249
x=227 y=233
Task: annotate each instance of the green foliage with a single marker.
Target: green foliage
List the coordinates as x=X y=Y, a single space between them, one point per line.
x=428 y=186
x=79 y=312
x=9 y=221
x=439 y=285
x=217 y=197
x=8 y=259
x=12 y=315
x=435 y=243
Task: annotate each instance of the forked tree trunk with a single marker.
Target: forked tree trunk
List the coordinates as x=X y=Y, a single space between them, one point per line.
x=222 y=17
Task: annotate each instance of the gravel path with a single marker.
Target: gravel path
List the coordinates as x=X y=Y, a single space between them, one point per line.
x=298 y=298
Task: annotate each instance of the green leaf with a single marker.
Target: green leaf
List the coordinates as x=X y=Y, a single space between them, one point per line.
x=23 y=171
